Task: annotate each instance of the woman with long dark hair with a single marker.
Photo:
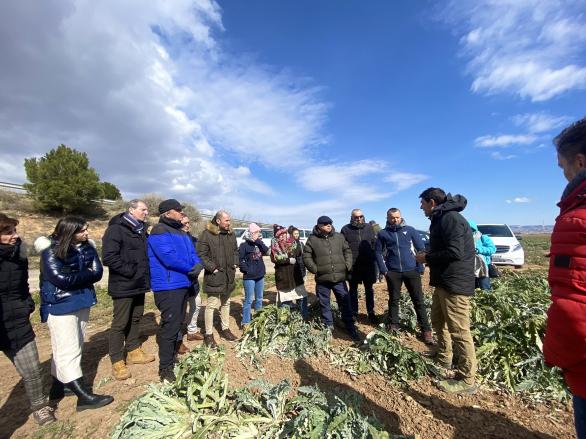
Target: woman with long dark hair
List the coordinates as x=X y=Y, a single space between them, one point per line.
x=17 y=338
x=69 y=268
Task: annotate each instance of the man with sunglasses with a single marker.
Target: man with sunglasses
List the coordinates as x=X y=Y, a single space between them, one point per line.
x=361 y=239
x=173 y=263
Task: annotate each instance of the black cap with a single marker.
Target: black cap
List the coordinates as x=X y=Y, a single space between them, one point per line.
x=324 y=220
x=167 y=205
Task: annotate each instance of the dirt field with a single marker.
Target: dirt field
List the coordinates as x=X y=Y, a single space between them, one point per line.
x=421 y=410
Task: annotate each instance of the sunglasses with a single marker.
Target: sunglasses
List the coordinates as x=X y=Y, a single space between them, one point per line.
x=358 y=216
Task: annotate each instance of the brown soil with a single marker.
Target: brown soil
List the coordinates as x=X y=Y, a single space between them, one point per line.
x=420 y=410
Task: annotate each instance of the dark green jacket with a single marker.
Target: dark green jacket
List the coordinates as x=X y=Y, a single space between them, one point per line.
x=327 y=256
x=218 y=251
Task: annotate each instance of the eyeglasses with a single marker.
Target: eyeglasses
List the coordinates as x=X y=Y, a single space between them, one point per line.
x=358 y=216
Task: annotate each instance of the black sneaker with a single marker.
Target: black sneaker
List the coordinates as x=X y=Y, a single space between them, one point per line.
x=373 y=318
x=355 y=336
x=167 y=375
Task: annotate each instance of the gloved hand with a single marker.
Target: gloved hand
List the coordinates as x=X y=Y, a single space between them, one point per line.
x=292 y=261
x=381 y=276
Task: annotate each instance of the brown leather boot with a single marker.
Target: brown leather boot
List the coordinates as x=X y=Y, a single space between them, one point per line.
x=180 y=348
x=427 y=337
x=196 y=336
x=227 y=335
x=138 y=356
x=120 y=371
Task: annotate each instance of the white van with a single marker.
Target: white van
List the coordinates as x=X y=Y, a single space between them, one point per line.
x=509 y=250
x=267 y=235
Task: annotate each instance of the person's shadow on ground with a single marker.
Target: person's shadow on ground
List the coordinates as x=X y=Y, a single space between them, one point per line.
x=473 y=422
x=309 y=376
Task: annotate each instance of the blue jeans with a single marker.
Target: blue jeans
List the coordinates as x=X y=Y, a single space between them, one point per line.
x=323 y=291
x=301 y=306
x=580 y=416
x=483 y=283
x=253 y=291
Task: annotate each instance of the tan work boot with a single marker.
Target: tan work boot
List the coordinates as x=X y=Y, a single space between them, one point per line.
x=120 y=371
x=138 y=356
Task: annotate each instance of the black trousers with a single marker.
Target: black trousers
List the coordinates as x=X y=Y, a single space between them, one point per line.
x=171 y=304
x=127 y=312
x=412 y=281
x=368 y=293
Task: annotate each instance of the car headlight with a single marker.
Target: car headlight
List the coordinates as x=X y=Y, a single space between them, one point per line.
x=517 y=247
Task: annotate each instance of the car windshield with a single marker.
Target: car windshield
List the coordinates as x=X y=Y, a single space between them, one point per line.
x=267 y=234
x=238 y=232
x=497 y=230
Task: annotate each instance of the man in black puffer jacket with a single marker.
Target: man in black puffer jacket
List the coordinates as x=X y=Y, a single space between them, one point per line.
x=361 y=239
x=124 y=252
x=451 y=264
x=328 y=256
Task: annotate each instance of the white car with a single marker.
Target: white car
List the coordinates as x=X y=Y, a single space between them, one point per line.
x=267 y=235
x=509 y=250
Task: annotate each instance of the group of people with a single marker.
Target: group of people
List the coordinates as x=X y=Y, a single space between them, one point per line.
x=168 y=261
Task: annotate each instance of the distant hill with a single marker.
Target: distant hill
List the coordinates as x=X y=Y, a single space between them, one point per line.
x=531 y=229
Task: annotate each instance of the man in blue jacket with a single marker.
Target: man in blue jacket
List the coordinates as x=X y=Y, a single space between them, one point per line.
x=173 y=264
x=399 y=240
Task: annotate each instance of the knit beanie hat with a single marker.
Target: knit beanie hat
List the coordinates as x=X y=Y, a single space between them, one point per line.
x=278 y=230
x=253 y=228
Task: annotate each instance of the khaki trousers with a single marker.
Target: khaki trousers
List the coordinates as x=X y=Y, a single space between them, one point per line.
x=450 y=318
x=214 y=302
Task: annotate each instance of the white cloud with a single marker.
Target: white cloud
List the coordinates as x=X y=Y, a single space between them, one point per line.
x=148 y=90
x=533 y=48
x=404 y=180
x=358 y=181
x=155 y=110
x=345 y=181
x=504 y=141
x=497 y=155
x=540 y=122
x=519 y=200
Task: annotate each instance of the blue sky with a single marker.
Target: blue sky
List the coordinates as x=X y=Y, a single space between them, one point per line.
x=284 y=111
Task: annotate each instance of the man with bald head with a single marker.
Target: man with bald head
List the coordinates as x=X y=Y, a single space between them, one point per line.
x=361 y=238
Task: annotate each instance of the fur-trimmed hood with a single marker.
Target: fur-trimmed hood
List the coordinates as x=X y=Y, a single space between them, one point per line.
x=42 y=243
x=215 y=229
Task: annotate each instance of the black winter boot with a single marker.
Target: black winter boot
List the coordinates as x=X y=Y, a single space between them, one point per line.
x=85 y=398
x=58 y=390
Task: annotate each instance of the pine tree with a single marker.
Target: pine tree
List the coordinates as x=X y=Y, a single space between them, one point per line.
x=62 y=180
x=110 y=191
